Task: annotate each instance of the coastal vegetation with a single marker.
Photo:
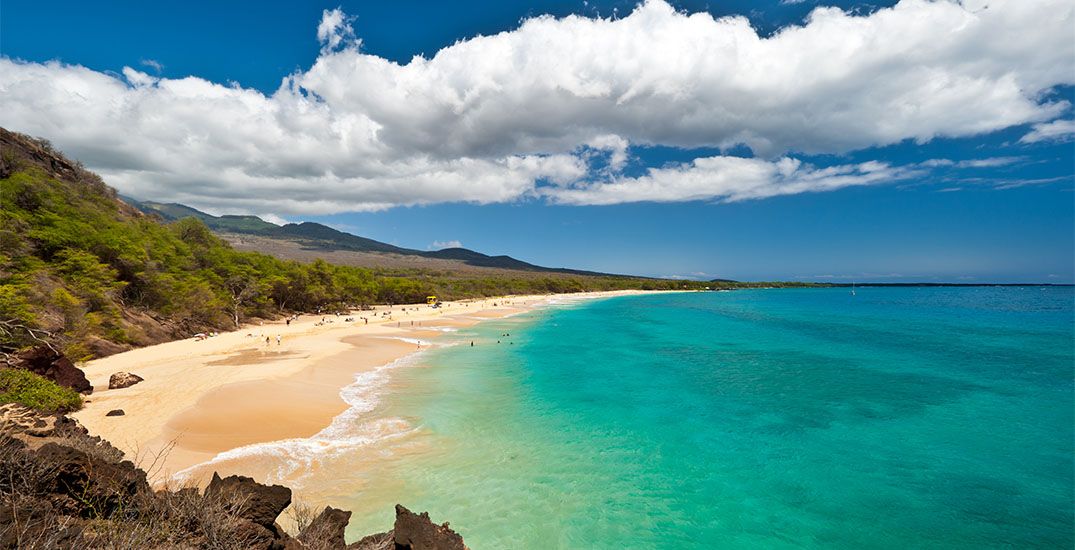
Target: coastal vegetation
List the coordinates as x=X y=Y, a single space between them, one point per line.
x=37 y=392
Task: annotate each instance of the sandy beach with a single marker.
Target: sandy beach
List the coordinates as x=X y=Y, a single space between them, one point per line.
x=203 y=397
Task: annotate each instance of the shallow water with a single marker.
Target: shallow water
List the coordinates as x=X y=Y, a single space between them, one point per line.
x=897 y=418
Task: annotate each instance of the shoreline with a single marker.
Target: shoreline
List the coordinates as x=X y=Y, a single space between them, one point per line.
x=203 y=398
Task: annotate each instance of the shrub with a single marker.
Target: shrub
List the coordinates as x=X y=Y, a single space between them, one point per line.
x=39 y=393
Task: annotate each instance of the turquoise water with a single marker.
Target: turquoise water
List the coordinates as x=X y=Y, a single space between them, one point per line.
x=805 y=418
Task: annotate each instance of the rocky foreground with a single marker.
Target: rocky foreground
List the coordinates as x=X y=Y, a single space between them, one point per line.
x=62 y=488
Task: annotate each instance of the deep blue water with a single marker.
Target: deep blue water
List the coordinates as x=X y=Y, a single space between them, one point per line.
x=793 y=418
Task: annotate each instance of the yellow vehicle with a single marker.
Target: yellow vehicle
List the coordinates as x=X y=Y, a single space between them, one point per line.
x=431 y=300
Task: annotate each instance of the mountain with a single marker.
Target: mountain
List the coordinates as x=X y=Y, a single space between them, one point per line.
x=318 y=236
x=172 y=212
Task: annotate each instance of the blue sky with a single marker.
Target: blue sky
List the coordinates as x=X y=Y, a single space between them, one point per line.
x=978 y=190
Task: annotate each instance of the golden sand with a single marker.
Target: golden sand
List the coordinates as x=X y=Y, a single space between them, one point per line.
x=202 y=397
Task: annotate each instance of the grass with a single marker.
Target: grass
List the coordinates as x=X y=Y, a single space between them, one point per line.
x=39 y=393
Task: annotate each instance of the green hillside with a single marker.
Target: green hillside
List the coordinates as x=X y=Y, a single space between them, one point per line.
x=173 y=212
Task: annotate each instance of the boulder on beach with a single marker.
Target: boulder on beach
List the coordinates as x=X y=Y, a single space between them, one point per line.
x=45 y=361
x=115 y=412
x=123 y=380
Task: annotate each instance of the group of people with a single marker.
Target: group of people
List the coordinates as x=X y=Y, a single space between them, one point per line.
x=505 y=335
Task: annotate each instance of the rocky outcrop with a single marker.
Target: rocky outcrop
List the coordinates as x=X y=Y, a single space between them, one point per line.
x=55 y=476
x=123 y=380
x=34 y=520
x=83 y=485
x=16 y=420
x=252 y=501
x=417 y=532
x=62 y=488
x=327 y=529
x=379 y=541
x=44 y=361
x=115 y=412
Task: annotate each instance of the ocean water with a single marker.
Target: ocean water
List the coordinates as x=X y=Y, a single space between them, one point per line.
x=794 y=418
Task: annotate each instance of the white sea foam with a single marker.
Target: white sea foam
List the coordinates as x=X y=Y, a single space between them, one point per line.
x=348 y=431
x=441 y=329
x=561 y=302
x=414 y=341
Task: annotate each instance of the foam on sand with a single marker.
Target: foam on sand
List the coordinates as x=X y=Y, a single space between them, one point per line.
x=351 y=429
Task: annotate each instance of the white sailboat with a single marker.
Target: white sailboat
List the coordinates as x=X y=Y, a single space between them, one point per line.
x=852 y=288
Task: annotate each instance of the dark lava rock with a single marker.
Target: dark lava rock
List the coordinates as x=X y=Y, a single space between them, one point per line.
x=115 y=412
x=93 y=487
x=16 y=419
x=43 y=361
x=418 y=532
x=326 y=530
x=258 y=503
x=379 y=541
x=123 y=380
x=31 y=525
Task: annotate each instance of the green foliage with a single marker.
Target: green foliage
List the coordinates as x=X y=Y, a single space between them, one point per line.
x=39 y=393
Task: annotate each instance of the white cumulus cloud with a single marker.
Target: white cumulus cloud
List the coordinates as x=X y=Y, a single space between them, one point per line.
x=334 y=30
x=525 y=113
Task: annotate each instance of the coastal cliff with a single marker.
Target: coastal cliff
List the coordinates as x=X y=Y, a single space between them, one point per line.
x=63 y=488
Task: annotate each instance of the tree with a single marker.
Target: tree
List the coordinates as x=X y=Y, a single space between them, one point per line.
x=242 y=290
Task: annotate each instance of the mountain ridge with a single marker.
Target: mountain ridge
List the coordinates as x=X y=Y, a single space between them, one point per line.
x=328 y=238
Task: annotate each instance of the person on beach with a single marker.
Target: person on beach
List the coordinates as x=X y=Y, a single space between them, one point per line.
x=266 y=340
x=278 y=339
x=289 y=321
